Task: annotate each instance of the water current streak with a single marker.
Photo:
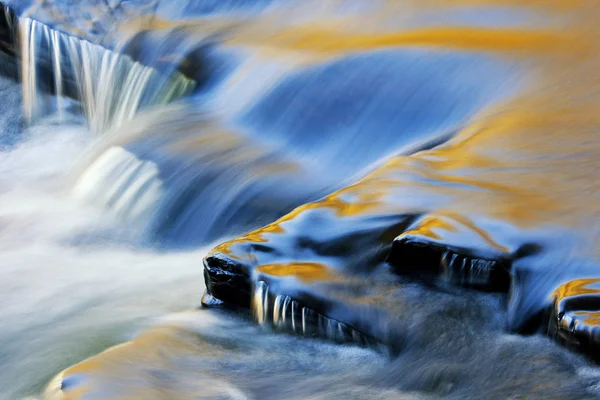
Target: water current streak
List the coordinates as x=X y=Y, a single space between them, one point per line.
x=285 y=314
x=111 y=87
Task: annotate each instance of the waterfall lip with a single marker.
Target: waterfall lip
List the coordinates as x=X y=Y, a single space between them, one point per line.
x=229 y=283
x=66 y=83
x=8 y=38
x=467 y=267
x=285 y=313
x=455 y=248
x=110 y=86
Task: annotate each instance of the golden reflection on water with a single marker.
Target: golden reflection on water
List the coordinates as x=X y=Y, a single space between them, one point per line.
x=135 y=362
x=577 y=287
x=305 y=272
x=333 y=42
x=328 y=35
x=574 y=288
x=589 y=318
x=529 y=162
x=430 y=227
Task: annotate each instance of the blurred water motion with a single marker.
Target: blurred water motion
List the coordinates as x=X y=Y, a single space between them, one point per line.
x=110 y=87
x=357 y=167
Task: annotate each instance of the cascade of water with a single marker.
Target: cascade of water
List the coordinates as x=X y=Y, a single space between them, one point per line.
x=110 y=86
x=282 y=313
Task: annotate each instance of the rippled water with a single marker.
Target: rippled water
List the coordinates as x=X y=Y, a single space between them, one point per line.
x=392 y=199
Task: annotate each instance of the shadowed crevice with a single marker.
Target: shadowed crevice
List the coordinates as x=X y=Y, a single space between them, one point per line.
x=455 y=265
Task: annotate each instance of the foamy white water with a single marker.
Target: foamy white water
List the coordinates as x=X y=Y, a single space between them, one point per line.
x=71 y=280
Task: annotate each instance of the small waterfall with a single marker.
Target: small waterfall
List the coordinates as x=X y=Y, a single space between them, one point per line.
x=282 y=313
x=110 y=86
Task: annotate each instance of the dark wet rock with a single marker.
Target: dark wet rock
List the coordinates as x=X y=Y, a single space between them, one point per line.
x=453 y=265
x=428 y=248
x=9 y=66
x=8 y=30
x=226 y=281
x=475 y=210
x=246 y=270
x=575 y=317
x=276 y=301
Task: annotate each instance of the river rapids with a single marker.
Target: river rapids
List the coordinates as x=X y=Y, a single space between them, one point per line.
x=299 y=199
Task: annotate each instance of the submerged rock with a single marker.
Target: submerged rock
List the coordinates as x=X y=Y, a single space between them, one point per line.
x=208 y=354
x=504 y=203
x=475 y=211
x=433 y=244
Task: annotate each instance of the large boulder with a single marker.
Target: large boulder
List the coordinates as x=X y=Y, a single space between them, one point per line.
x=506 y=205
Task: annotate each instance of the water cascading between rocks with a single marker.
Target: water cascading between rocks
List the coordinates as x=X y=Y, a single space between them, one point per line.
x=476 y=172
x=109 y=86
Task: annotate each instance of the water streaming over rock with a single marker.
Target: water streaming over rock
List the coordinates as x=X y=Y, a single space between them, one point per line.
x=110 y=87
x=395 y=194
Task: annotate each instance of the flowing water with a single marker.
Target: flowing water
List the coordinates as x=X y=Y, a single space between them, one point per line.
x=110 y=87
x=394 y=200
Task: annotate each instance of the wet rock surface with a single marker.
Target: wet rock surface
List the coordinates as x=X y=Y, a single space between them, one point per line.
x=474 y=210
x=574 y=318
x=428 y=246
x=210 y=354
x=453 y=160
x=434 y=362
